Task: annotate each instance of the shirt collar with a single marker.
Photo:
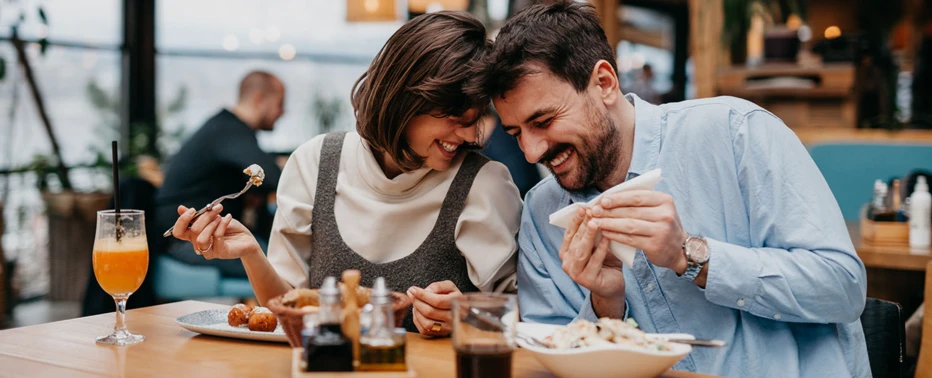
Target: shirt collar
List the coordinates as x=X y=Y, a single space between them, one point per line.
x=227 y=113
x=647 y=127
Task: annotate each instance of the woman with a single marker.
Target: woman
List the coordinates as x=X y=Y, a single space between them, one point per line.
x=402 y=198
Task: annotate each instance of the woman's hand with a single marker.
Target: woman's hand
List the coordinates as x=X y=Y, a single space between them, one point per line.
x=213 y=236
x=432 y=307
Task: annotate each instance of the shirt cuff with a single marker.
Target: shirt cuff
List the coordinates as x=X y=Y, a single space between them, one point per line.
x=588 y=313
x=733 y=277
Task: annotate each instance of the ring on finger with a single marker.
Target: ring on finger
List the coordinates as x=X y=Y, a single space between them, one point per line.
x=201 y=251
x=437 y=327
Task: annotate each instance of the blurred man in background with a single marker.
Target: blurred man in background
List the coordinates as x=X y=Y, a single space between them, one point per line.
x=210 y=164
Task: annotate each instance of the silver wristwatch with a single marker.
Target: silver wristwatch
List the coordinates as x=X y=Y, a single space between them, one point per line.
x=697 y=253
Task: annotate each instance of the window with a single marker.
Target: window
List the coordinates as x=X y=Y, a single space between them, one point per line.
x=206 y=47
x=79 y=79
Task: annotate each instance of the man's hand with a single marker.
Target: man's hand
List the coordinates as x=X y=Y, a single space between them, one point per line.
x=589 y=264
x=646 y=220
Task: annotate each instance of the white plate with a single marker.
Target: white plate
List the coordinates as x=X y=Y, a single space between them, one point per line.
x=598 y=362
x=214 y=323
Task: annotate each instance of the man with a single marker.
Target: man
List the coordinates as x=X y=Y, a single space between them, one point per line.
x=210 y=163
x=742 y=239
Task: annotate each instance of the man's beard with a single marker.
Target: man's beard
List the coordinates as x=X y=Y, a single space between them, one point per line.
x=596 y=159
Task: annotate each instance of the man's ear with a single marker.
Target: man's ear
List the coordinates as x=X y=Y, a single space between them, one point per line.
x=605 y=80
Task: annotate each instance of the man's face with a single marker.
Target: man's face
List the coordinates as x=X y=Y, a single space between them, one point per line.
x=567 y=131
x=272 y=106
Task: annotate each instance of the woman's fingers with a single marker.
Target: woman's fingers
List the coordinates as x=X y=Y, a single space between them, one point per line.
x=205 y=219
x=432 y=313
x=222 y=228
x=179 y=231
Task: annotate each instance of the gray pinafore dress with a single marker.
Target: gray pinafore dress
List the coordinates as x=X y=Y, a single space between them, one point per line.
x=436 y=259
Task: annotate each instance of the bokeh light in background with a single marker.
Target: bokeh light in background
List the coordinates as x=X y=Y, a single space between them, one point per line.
x=230 y=42
x=287 y=52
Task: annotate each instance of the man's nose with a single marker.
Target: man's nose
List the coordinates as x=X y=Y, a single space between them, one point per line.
x=534 y=148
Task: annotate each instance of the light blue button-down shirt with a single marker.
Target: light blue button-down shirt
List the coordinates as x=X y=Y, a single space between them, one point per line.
x=785 y=288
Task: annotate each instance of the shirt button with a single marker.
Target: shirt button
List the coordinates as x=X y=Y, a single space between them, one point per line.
x=777 y=316
x=741 y=303
x=650 y=287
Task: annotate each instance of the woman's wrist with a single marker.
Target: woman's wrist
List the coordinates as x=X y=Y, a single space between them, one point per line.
x=254 y=253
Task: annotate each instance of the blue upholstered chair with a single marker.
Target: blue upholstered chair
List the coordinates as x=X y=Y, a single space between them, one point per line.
x=175 y=280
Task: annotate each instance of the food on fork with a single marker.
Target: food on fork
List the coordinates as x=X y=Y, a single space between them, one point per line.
x=262 y=320
x=256 y=174
x=607 y=331
x=239 y=315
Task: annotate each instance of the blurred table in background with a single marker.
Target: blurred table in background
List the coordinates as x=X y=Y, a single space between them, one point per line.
x=893 y=273
x=812 y=136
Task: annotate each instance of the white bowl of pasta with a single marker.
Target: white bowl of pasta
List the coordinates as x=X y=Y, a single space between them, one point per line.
x=585 y=350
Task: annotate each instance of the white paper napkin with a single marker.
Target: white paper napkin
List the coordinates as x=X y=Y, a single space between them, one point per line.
x=563 y=217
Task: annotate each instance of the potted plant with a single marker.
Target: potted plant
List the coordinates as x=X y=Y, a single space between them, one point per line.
x=738 y=15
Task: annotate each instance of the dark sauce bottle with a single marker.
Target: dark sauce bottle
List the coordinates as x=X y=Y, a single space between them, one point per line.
x=327 y=349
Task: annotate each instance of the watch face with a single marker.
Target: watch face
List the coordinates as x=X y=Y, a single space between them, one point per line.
x=698 y=250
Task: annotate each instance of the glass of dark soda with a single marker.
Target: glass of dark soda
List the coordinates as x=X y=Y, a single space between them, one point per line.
x=484 y=334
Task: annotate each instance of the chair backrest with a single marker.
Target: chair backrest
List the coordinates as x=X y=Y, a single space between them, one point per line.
x=924 y=364
x=885 y=334
x=851 y=168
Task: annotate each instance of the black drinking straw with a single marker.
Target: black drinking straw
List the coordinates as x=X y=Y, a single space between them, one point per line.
x=116 y=190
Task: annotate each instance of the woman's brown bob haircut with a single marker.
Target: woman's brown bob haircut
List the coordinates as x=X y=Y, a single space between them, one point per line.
x=420 y=70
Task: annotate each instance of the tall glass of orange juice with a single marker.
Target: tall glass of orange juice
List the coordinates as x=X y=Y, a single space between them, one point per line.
x=121 y=259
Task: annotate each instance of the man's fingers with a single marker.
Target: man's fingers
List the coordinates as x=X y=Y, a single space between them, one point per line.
x=626 y=226
x=594 y=265
x=651 y=214
x=583 y=247
x=570 y=232
x=636 y=241
x=634 y=198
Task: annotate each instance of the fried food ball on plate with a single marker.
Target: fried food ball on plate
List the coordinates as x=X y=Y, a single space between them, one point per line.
x=239 y=315
x=262 y=320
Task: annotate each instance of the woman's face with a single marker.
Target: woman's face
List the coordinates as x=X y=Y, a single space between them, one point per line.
x=438 y=139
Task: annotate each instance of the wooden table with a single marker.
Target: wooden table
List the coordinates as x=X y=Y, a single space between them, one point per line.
x=888 y=257
x=894 y=274
x=67 y=348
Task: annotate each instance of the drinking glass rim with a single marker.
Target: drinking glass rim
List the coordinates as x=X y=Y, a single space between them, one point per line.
x=112 y=212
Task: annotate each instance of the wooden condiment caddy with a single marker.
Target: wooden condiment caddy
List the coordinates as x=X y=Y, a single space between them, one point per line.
x=351 y=329
x=887 y=234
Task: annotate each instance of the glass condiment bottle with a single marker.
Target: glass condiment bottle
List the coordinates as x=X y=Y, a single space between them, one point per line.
x=380 y=347
x=326 y=348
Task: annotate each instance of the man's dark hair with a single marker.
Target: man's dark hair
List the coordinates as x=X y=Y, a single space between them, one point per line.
x=564 y=36
x=256 y=82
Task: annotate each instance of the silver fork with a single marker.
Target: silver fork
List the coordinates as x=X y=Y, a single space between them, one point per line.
x=211 y=206
x=532 y=340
